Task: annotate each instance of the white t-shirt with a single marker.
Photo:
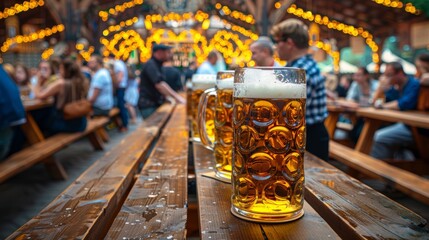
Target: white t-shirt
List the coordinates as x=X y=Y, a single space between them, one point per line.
x=119 y=66
x=102 y=81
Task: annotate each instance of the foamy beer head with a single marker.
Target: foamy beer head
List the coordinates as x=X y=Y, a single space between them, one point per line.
x=277 y=83
x=200 y=82
x=269 y=144
x=225 y=79
x=203 y=81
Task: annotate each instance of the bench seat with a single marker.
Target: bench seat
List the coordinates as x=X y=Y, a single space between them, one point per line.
x=405 y=181
x=43 y=151
x=86 y=208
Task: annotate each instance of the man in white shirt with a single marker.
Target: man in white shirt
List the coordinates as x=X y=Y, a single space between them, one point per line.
x=100 y=92
x=209 y=66
x=121 y=72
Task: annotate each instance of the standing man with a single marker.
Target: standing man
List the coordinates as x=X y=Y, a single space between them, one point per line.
x=262 y=52
x=153 y=88
x=292 y=39
x=121 y=72
x=209 y=65
x=100 y=92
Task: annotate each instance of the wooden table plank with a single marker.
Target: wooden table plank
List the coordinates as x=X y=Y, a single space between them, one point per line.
x=217 y=222
x=412 y=118
x=354 y=210
x=374 y=118
x=156 y=207
x=334 y=111
x=88 y=206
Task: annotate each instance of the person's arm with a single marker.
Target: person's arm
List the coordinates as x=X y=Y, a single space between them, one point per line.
x=94 y=95
x=392 y=105
x=166 y=90
x=51 y=90
x=424 y=79
x=119 y=76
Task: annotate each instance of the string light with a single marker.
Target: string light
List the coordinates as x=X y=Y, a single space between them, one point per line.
x=409 y=7
x=227 y=43
x=121 y=25
x=248 y=18
x=86 y=55
x=342 y=27
x=104 y=15
x=17 y=8
x=328 y=49
x=31 y=37
x=172 y=16
x=47 y=53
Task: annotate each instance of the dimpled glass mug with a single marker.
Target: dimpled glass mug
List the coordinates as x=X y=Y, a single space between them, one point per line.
x=269 y=144
x=200 y=83
x=222 y=144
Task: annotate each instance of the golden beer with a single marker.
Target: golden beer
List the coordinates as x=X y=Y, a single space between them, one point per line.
x=223 y=128
x=188 y=99
x=269 y=144
x=201 y=82
x=222 y=143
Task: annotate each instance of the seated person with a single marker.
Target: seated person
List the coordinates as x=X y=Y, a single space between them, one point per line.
x=11 y=111
x=401 y=93
x=71 y=84
x=101 y=89
x=360 y=94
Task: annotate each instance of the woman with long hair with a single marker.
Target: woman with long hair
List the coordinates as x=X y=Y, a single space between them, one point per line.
x=71 y=86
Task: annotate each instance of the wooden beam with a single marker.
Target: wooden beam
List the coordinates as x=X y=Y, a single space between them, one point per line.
x=278 y=15
x=53 y=7
x=251 y=6
x=84 y=4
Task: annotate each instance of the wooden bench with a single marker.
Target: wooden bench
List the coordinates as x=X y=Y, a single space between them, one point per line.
x=337 y=206
x=156 y=207
x=43 y=151
x=407 y=182
x=88 y=206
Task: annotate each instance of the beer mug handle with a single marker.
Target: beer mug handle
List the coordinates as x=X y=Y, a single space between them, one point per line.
x=201 y=122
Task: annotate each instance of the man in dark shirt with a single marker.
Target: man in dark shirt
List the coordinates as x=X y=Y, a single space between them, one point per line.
x=173 y=77
x=153 y=88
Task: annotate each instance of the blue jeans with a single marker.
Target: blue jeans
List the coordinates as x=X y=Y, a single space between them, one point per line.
x=390 y=139
x=59 y=124
x=120 y=97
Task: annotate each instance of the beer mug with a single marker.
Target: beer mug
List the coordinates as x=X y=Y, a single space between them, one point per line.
x=222 y=144
x=200 y=82
x=269 y=144
x=188 y=87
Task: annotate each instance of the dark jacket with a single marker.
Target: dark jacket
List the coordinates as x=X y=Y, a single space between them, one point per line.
x=11 y=109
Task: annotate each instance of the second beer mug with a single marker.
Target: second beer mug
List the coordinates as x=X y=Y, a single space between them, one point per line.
x=269 y=144
x=222 y=144
x=200 y=82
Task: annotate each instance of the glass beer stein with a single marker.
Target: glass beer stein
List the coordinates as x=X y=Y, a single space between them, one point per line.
x=269 y=144
x=222 y=142
x=200 y=82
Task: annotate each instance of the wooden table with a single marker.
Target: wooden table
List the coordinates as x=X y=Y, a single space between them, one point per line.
x=30 y=128
x=337 y=206
x=334 y=111
x=374 y=118
x=111 y=200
